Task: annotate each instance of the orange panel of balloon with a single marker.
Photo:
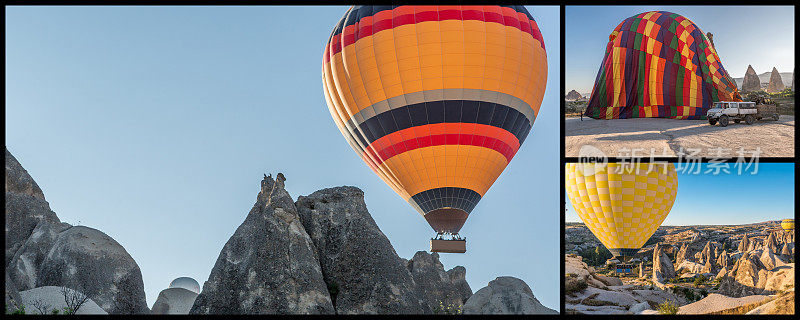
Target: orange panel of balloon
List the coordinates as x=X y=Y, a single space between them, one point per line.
x=436 y=99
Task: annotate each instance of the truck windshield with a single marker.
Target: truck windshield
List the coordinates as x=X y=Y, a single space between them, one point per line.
x=718 y=105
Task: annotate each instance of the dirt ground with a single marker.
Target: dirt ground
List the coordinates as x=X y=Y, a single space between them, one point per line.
x=616 y=138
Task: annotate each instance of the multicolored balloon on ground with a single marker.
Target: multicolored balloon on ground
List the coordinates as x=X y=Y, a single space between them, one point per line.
x=659 y=64
x=622 y=204
x=436 y=99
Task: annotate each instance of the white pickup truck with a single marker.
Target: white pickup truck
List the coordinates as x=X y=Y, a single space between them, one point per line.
x=724 y=111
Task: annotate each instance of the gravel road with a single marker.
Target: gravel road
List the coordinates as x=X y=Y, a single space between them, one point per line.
x=617 y=138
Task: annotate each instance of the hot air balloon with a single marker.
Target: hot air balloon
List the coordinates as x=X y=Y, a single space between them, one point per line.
x=787 y=224
x=436 y=100
x=622 y=204
x=659 y=64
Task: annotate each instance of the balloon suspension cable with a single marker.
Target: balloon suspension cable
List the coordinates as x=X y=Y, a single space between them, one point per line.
x=448 y=236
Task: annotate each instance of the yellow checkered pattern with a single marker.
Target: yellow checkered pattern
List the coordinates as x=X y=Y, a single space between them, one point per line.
x=622 y=204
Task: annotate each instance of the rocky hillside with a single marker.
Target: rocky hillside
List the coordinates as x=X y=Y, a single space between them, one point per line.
x=573 y=95
x=324 y=254
x=42 y=251
x=321 y=254
x=724 y=269
x=763 y=78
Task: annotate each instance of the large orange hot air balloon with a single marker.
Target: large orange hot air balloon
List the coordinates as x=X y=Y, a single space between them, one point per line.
x=436 y=99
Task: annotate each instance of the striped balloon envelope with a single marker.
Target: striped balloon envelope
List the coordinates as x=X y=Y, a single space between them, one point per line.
x=436 y=99
x=659 y=64
x=622 y=204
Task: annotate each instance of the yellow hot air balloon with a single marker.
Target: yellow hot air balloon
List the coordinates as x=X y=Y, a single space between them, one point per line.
x=787 y=224
x=436 y=99
x=622 y=204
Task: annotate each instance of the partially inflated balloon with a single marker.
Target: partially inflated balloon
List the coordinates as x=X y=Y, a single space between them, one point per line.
x=659 y=64
x=436 y=99
x=622 y=204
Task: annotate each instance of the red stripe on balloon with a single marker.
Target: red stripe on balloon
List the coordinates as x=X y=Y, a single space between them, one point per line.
x=443 y=139
x=366 y=27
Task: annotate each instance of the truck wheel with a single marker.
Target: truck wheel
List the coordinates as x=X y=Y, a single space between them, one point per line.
x=723 y=121
x=712 y=121
x=749 y=119
x=737 y=120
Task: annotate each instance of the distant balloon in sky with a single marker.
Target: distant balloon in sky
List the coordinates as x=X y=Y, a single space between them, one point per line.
x=185 y=283
x=659 y=64
x=436 y=99
x=787 y=224
x=622 y=204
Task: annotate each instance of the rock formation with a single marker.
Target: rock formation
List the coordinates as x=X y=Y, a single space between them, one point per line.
x=43 y=251
x=359 y=265
x=781 y=305
x=13 y=299
x=662 y=267
x=572 y=96
x=786 y=251
x=440 y=288
x=770 y=260
x=641 y=270
x=95 y=264
x=26 y=207
x=771 y=243
x=603 y=295
x=505 y=295
x=268 y=266
x=722 y=260
x=715 y=303
x=744 y=243
x=775 y=82
x=174 y=301
x=751 y=81
x=707 y=255
x=49 y=298
x=458 y=278
x=681 y=254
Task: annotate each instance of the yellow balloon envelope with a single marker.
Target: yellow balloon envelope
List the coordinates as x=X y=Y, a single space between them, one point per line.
x=787 y=224
x=622 y=204
x=436 y=99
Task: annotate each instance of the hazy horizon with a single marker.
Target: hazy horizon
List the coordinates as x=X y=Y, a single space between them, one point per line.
x=692 y=225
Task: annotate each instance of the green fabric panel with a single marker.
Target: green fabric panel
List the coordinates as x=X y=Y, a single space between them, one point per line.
x=642 y=80
x=635 y=24
x=602 y=88
x=674 y=43
x=679 y=86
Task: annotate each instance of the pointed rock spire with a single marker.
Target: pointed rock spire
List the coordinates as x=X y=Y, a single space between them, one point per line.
x=775 y=82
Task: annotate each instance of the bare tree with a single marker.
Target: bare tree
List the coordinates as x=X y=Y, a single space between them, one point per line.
x=40 y=305
x=74 y=300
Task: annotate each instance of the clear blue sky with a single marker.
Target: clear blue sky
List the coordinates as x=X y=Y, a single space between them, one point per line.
x=155 y=125
x=709 y=199
x=760 y=36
